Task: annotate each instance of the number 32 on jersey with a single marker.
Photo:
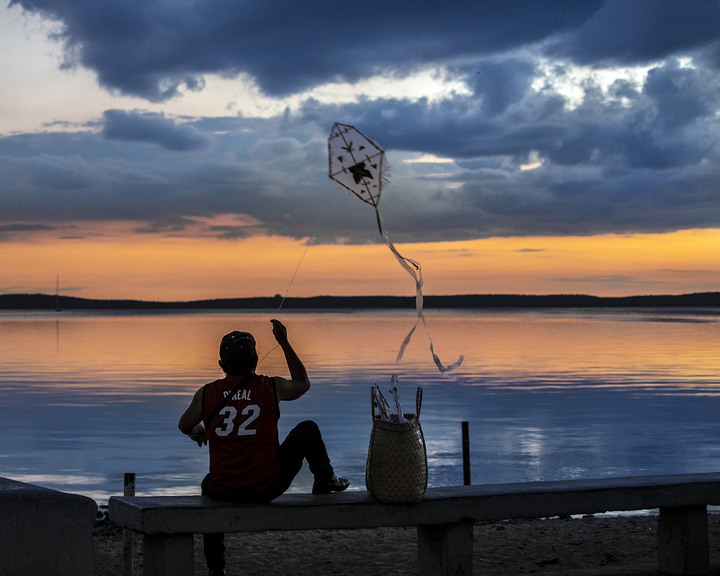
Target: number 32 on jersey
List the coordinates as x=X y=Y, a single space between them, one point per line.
x=230 y=413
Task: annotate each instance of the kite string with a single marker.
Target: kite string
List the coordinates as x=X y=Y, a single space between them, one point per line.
x=292 y=280
x=307 y=246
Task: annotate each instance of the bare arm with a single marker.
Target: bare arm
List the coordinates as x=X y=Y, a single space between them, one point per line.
x=191 y=421
x=299 y=382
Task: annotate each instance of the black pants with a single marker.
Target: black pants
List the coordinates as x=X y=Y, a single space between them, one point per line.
x=304 y=442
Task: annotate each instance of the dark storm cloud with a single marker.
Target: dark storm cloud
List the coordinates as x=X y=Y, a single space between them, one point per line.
x=634 y=155
x=647 y=164
x=669 y=121
x=155 y=48
x=555 y=203
x=153 y=129
x=500 y=84
x=86 y=176
x=637 y=31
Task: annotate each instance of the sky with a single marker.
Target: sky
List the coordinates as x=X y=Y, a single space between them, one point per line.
x=177 y=150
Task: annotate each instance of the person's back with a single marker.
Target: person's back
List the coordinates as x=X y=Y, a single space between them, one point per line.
x=243 y=437
x=238 y=415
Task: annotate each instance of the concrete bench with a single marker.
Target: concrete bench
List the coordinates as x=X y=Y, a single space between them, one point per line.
x=444 y=518
x=44 y=531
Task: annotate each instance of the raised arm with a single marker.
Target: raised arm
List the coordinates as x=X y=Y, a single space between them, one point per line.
x=299 y=382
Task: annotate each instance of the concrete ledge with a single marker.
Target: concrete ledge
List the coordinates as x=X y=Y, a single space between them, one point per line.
x=198 y=514
x=444 y=518
x=45 y=532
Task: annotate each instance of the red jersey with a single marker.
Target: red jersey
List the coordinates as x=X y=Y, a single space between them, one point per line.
x=243 y=437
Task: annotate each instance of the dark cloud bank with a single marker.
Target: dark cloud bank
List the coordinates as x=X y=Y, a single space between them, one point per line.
x=632 y=156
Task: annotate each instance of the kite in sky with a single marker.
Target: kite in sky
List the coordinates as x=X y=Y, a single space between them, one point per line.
x=357 y=164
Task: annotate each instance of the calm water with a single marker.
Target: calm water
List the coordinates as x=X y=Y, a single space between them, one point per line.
x=86 y=397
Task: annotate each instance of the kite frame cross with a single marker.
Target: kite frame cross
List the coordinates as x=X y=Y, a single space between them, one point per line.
x=367 y=158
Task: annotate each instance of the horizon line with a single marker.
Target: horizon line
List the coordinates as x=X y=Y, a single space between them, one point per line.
x=40 y=300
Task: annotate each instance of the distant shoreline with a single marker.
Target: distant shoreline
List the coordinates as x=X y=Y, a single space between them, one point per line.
x=464 y=301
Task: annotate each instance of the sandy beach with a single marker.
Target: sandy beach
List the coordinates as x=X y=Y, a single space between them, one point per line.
x=588 y=546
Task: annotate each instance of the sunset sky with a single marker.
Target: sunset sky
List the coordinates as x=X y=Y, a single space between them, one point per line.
x=168 y=150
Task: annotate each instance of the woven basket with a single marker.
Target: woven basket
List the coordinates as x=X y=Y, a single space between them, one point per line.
x=396 y=469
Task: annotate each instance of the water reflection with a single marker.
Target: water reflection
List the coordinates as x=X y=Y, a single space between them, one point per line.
x=548 y=394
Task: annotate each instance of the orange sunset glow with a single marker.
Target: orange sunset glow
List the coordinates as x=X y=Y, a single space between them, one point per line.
x=174 y=269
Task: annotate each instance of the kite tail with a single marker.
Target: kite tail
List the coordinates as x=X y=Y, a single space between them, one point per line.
x=405 y=343
x=415 y=270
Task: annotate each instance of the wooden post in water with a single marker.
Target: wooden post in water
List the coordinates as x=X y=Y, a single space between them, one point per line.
x=466 y=453
x=128 y=535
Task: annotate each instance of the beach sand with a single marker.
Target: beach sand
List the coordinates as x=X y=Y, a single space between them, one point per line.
x=586 y=546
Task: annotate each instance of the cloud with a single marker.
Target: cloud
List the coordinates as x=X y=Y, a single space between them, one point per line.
x=9 y=231
x=630 y=158
x=642 y=31
x=682 y=95
x=152 y=128
x=160 y=49
x=501 y=83
x=613 y=148
x=24 y=228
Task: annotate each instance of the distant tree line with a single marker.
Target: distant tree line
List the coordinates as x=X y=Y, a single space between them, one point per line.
x=50 y=302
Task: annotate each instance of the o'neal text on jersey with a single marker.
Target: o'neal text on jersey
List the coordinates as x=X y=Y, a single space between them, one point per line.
x=239 y=395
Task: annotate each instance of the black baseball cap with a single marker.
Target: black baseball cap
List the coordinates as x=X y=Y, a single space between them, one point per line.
x=237 y=347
